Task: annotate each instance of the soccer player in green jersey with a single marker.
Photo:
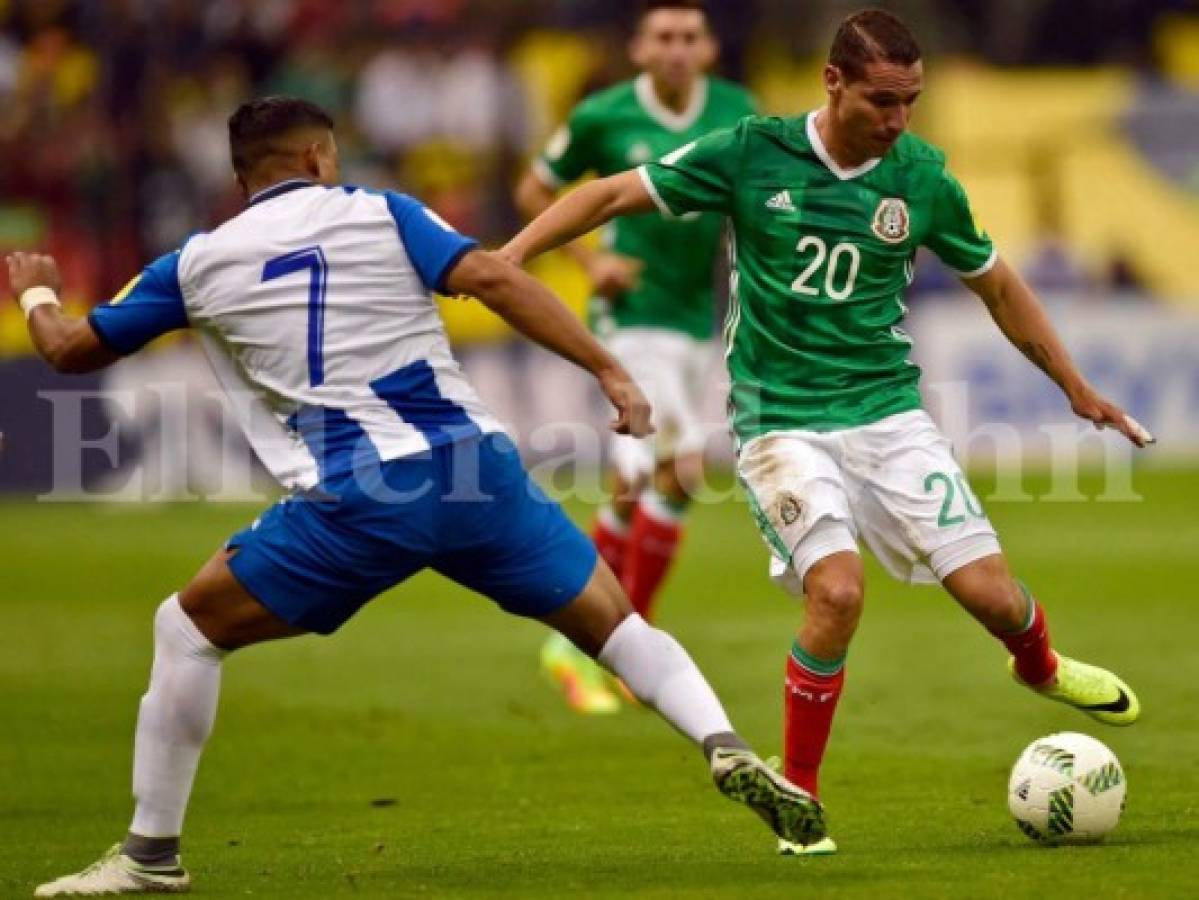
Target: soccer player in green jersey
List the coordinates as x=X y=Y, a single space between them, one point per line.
x=652 y=299
x=827 y=210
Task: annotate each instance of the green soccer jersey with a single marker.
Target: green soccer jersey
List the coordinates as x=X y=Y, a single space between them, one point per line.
x=624 y=127
x=822 y=257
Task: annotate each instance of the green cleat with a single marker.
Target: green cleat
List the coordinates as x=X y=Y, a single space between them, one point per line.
x=582 y=681
x=1095 y=691
x=792 y=813
x=823 y=847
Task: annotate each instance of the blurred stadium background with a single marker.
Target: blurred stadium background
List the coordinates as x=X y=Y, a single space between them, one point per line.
x=1074 y=125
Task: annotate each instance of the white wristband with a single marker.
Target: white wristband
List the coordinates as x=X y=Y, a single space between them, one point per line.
x=35 y=297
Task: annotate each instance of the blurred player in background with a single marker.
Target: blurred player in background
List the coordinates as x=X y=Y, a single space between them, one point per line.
x=827 y=211
x=315 y=307
x=652 y=303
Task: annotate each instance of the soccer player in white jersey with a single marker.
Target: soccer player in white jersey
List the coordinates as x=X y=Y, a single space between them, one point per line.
x=315 y=307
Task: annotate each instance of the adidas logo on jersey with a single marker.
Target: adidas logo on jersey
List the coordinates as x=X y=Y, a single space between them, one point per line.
x=781 y=202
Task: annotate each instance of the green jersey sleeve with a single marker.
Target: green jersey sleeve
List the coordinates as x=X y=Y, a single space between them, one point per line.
x=953 y=234
x=698 y=177
x=570 y=152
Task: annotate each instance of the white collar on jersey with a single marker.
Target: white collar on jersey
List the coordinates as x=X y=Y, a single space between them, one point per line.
x=643 y=87
x=279 y=187
x=826 y=158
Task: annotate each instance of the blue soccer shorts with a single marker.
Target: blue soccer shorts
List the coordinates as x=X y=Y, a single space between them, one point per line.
x=467 y=510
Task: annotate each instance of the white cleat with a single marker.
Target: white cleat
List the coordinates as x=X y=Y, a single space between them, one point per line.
x=116 y=873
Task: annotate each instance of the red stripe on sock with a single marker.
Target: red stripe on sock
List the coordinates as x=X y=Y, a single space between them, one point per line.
x=651 y=549
x=1036 y=663
x=810 y=701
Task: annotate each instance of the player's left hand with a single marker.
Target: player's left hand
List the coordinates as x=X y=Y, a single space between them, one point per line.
x=1088 y=404
x=632 y=408
x=28 y=270
x=613 y=274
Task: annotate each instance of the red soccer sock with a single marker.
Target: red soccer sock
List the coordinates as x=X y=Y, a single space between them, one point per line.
x=653 y=540
x=1036 y=663
x=810 y=702
x=611 y=538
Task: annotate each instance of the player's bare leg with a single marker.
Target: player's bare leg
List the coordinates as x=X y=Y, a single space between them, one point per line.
x=590 y=619
x=602 y=623
x=834 y=594
x=588 y=689
x=833 y=599
x=986 y=589
x=193 y=631
x=225 y=614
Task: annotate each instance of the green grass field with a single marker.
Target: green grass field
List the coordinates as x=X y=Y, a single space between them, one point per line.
x=419 y=752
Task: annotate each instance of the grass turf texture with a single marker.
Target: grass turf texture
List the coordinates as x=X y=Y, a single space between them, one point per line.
x=418 y=753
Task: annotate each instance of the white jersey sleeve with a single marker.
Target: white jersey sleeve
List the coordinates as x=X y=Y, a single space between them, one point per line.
x=315 y=305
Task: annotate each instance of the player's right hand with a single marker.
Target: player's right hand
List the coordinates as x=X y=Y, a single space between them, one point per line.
x=1090 y=405
x=612 y=274
x=29 y=270
x=632 y=408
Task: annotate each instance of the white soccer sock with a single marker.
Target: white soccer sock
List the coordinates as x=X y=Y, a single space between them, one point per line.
x=175 y=720
x=660 y=674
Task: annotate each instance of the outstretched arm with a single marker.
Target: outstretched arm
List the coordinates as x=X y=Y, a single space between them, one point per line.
x=579 y=212
x=67 y=343
x=1022 y=319
x=611 y=274
x=530 y=308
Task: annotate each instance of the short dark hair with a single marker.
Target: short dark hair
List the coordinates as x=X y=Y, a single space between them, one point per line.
x=257 y=122
x=872 y=35
x=652 y=6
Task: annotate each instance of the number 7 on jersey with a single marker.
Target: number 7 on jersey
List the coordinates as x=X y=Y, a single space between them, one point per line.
x=312 y=259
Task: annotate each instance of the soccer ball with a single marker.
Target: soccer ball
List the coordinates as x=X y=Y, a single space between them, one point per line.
x=1066 y=788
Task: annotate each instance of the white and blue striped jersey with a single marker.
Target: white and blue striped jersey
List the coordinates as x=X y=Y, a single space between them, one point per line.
x=315 y=307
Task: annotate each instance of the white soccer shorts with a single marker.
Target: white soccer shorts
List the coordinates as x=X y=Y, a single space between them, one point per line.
x=673 y=369
x=895 y=484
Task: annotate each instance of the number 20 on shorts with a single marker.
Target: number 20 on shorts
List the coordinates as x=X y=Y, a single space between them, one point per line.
x=954 y=485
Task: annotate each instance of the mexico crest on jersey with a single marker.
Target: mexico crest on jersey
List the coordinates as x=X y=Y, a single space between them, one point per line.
x=891 y=221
